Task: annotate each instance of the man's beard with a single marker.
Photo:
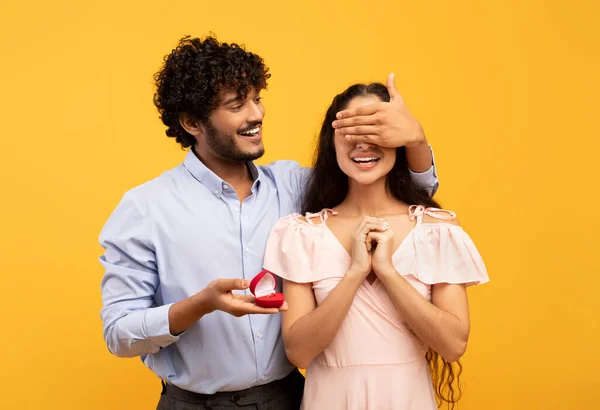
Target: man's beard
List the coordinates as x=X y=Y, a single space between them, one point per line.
x=224 y=145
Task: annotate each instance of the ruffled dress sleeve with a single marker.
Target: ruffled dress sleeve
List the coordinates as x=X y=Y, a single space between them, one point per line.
x=293 y=248
x=442 y=253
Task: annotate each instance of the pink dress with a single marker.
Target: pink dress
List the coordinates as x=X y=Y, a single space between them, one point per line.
x=373 y=362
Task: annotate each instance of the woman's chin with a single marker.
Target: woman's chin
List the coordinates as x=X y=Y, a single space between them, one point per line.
x=365 y=180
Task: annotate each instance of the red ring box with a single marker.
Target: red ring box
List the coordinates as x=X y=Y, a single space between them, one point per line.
x=263 y=289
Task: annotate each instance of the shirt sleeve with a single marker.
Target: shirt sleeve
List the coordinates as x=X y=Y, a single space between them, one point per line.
x=133 y=324
x=291 y=179
x=427 y=179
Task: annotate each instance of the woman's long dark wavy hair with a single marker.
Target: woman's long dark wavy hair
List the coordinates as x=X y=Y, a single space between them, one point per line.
x=328 y=186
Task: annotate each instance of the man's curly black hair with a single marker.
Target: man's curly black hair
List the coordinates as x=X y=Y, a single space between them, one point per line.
x=193 y=76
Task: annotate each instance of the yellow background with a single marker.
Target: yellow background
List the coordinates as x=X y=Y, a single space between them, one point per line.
x=508 y=94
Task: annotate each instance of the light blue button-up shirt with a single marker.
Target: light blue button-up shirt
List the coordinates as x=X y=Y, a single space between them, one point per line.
x=167 y=240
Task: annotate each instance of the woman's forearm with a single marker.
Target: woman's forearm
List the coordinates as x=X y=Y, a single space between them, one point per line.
x=310 y=334
x=437 y=328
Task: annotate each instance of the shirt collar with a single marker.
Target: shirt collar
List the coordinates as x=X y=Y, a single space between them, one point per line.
x=211 y=180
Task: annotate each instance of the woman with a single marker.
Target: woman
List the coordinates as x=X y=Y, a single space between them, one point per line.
x=374 y=277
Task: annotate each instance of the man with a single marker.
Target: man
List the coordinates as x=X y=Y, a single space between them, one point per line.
x=180 y=249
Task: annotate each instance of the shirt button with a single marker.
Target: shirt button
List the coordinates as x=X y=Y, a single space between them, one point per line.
x=247 y=249
x=262 y=377
x=258 y=335
x=237 y=209
x=216 y=191
x=225 y=186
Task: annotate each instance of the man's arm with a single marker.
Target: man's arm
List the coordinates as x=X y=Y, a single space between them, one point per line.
x=217 y=295
x=419 y=156
x=421 y=165
x=133 y=324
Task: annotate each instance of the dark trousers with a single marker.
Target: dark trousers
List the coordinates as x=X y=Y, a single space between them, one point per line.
x=284 y=394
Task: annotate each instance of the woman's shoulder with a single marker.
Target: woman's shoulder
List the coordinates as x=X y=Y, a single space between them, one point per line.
x=432 y=215
x=441 y=251
x=309 y=219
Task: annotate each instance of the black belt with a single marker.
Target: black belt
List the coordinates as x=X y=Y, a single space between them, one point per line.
x=253 y=395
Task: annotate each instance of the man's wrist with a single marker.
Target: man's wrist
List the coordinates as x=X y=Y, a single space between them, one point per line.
x=418 y=139
x=203 y=303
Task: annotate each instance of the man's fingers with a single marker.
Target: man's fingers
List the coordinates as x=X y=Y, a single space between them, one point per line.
x=359 y=130
x=226 y=285
x=244 y=298
x=392 y=90
x=270 y=311
x=253 y=309
x=368 y=109
x=252 y=299
x=372 y=119
x=247 y=306
x=265 y=311
x=371 y=139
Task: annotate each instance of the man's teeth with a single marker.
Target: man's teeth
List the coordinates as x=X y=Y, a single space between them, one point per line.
x=366 y=159
x=252 y=132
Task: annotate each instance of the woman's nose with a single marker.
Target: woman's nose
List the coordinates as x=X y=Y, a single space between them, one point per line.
x=363 y=145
